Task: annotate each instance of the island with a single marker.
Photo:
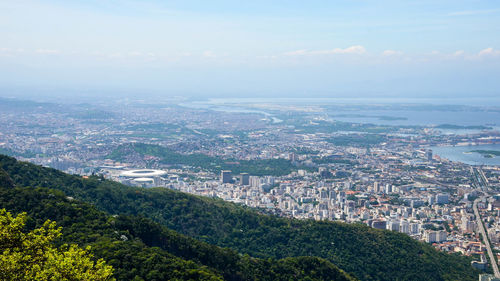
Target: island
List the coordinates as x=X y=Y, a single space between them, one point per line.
x=487 y=153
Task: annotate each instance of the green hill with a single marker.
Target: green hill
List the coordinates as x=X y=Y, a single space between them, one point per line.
x=139 y=249
x=367 y=253
x=275 y=167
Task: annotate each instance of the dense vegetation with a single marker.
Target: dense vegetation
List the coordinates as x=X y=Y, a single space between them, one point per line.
x=337 y=126
x=139 y=249
x=487 y=152
x=461 y=127
x=361 y=140
x=32 y=255
x=367 y=253
x=274 y=167
x=379 y=117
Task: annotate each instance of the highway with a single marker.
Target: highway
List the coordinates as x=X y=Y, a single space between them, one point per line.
x=483 y=232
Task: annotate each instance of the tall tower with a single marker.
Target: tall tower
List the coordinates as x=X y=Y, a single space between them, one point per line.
x=428 y=155
x=244 y=179
x=225 y=176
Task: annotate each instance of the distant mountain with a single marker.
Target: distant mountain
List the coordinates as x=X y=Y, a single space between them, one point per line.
x=15 y=105
x=366 y=253
x=77 y=111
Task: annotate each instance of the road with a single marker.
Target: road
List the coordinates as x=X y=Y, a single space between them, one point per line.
x=480 y=225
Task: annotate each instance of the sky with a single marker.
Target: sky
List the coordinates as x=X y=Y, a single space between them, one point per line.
x=259 y=48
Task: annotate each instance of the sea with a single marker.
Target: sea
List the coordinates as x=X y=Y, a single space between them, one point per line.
x=463 y=154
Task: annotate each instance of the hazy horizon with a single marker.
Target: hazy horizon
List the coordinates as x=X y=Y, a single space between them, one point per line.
x=197 y=49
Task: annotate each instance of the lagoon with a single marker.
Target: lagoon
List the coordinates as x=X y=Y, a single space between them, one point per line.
x=463 y=154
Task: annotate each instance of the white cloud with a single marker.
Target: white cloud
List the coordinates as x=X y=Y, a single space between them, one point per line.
x=8 y=52
x=463 y=55
x=209 y=54
x=5 y=52
x=115 y=55
x=296 y=53
x=47 y=51
x=135 y=54
x=351 y=50
x=267 y=57
x=388 y=53
x=357 y=50
x=488 y=52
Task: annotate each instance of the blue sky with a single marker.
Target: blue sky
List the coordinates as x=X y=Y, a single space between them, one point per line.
x=251 y=48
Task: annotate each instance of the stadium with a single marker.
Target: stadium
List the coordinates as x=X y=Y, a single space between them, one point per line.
x=143 y=173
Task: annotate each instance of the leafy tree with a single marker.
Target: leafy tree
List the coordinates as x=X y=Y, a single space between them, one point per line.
x=32 y=256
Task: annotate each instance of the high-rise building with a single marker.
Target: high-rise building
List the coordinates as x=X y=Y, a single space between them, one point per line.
x=393 y=225
x=404 y=227
x=225 y=176
x=414 y=228
x=254 y=181
x=442 y=198
x=379 y=224
x=416 y=203
x=324 y=172
x=468 y=225
x=388 y=188
x=244 y=179
x=435 y=236
x=428 y=155
x=431 y=199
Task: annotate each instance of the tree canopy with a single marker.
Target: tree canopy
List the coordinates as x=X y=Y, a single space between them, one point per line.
x=32 y=256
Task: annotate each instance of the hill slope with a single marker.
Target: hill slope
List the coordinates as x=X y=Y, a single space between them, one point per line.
x=367 y=253
x=140 y=249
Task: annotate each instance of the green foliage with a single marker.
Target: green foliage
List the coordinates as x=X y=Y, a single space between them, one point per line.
x=82 y=224
x=362 y=140
x=367 y=253
x=140 y=249
x=331 y=127
x=487 y=152
x=276 y=167
x=461 y=127
x=32 y=256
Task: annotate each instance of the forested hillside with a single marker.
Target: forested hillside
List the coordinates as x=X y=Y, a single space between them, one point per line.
x=367 y=253
x=139 y=249
x=275 y=167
